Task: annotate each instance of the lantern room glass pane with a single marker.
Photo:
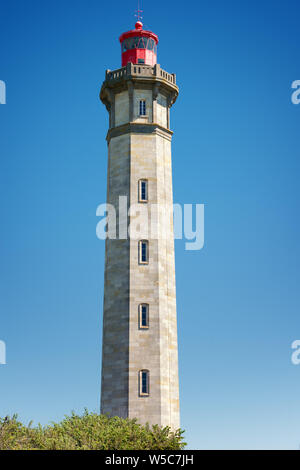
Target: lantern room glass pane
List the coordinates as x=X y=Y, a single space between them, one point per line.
x=150 y=44
x=138 y=43
x=141 y=43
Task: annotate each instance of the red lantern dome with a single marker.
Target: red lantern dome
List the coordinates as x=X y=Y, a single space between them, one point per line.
x=139 y=46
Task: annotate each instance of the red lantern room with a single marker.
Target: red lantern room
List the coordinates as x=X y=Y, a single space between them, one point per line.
x=139 y=46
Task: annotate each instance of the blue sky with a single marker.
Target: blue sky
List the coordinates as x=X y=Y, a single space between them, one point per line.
x=235 y=149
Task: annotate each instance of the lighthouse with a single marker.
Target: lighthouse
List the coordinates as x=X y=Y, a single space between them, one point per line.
x=139 y=346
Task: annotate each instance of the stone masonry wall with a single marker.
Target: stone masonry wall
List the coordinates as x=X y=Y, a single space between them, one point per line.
x=127 y=349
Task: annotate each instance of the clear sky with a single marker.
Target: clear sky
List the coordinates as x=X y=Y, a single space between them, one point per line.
x=235 y=149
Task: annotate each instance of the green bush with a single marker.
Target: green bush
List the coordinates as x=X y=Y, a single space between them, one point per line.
x=88 y=432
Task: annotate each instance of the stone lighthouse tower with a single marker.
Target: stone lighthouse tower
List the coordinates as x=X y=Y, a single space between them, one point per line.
x=139 y=358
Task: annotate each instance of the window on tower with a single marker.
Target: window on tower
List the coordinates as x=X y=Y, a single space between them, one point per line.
x=143 y=252
x=144 y=316
x=142 y=107
x=143 y=191
x=144 y=383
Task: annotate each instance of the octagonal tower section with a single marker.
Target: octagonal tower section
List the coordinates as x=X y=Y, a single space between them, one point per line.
x=139 y=359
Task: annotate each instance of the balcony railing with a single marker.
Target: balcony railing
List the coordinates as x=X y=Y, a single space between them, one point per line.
x=139 y=70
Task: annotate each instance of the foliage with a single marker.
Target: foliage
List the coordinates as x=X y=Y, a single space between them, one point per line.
x=88 y=432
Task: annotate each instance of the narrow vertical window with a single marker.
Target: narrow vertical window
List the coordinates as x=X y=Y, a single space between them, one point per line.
x=143 y=252
x=144 y=316
x=144 y=383
x=143 y=191
x=142 y=107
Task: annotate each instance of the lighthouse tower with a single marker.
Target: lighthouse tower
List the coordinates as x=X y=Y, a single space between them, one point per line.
x=139 y=354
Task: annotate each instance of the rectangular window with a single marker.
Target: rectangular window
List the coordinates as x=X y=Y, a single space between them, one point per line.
x=142 y=107
x=144 y=382
x=144 y=316
x=143 y=252
x=143 y=191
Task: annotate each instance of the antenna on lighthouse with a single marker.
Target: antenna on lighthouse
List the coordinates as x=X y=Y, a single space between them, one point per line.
x=138 y=12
